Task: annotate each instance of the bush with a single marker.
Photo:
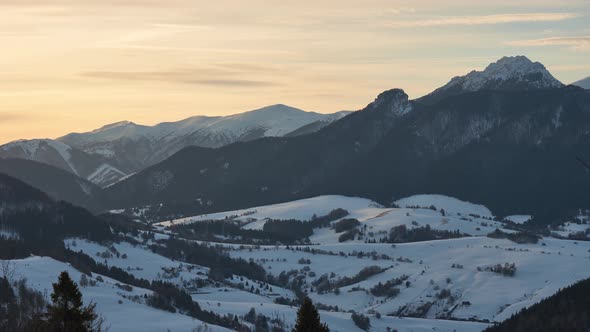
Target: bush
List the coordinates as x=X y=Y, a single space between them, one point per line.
x=348 y=235
x=388 y=289
x=363 y=322
x=506 y=269
x=401 y=234
x=443 y=294
x=345 y=225
x=518 y=237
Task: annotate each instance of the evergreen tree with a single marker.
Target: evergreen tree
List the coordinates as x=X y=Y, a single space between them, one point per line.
x=308 y=319
x=67 y=313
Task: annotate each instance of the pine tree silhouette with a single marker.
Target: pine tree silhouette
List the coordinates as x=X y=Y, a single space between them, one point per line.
x=67 y=313
x=308 y=319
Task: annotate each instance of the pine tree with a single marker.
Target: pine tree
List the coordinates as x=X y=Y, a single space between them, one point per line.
x=308 y=319
x=67 y=313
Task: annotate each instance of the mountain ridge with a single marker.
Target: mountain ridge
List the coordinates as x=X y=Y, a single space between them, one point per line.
x=392 y=148
x=507 y=73
x=113 y=151
x=583 y=83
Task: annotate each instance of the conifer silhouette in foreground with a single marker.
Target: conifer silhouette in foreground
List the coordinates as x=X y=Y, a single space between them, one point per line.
x=308 y=319
x=67 y=312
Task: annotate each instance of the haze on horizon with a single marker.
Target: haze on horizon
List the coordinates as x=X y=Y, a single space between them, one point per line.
x=76 y=65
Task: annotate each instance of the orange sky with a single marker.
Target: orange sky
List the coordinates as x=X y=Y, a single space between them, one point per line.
x=75 y=65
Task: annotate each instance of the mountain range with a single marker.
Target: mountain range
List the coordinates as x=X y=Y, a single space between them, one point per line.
x=457 y=211
x=105 y=155
x=507 y=137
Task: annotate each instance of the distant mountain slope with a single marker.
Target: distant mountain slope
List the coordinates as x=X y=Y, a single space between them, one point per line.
x=16 y=192
x=270 y=168
x=511 y=149
x=107 y=154
x=94 y=168
x=59 y=184
x=583 y=83
x=135 y=147
x=508 y=73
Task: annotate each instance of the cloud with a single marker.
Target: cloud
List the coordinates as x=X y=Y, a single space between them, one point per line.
x=401 y=10
x=233 y=83
x=8 y=117
x=485 y=19
x=224 y=75
x=577 y=43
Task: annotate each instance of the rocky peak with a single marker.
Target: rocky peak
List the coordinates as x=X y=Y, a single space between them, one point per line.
x=394 y=101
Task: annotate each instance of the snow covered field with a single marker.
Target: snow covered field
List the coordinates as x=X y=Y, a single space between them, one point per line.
x=120 y=312
x=445 y=285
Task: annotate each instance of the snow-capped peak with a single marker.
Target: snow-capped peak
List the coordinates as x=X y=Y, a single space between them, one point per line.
x=114 y=125
x=274 y=120
x=507 y=72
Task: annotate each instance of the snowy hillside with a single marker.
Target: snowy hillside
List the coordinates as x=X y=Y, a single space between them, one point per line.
x=130 y=147
x=463 y=281
x=449 y=204
x=121 y=309
x=41 y=150
x=276 y=120
x=93 y=168
x=466 y=217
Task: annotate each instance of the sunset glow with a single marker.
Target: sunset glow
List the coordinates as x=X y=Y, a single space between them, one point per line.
x=75 y=65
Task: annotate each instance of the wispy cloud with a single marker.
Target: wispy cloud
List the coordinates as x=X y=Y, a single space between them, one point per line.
x=577 y=43
x=8 y=116
x=230 y=76
x=484 y=19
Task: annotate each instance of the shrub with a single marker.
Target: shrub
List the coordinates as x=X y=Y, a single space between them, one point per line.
x=363 y=322
x=345 y=225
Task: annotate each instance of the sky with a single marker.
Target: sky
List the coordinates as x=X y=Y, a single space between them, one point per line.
x=76 y=65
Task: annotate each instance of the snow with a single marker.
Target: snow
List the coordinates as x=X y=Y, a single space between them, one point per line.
x=275 y=120
x=31 y=149
x=302 y=209
x=141 y=262
x=507 y=68
x=41 y=272
x=341 y=322
x=449 y=204
x=459 y=265
x=571 y=228
x=104 y=174
x=9 y=234
x=121 y=179
x=492 y=296
x=466 y=217
x=519 y=218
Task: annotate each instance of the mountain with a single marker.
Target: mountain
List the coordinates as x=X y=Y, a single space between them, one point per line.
x=135 y=147
x=508 y=73
x=58 y=183
x=513 y=150
x=92 y=167
x=108 y=154
x=583 y=83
